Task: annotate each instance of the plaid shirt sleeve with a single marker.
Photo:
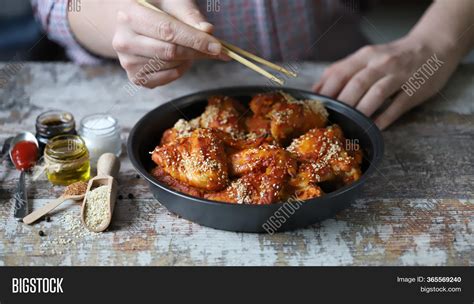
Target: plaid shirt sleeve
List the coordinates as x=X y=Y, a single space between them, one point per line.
x=52 y=14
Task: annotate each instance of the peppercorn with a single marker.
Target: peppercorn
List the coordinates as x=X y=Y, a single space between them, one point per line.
x=48 y=219
x=41 y=233
x=120 y=197
x=130 y=196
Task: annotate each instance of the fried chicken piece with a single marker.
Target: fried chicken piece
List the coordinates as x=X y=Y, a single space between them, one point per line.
x=307 y=192
x=240 y=143
x=290 y=119
x=255 y=188
x=263 y=173
x=182 y=128
x=224 y=113
x=260 y=126
x=266 y=158
x=261 y=104
x=257 y=124
x=198 y=160
x=286 y=121
x=323 y=158
x=175 y=184
x=284 y=117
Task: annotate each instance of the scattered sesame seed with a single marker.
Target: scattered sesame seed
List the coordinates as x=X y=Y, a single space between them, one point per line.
x=72 y=233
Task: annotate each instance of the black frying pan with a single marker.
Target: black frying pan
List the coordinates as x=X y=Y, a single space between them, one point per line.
x=146 y=134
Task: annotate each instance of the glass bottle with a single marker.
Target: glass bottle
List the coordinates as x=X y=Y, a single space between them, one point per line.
x=67 y=160
x=101 y=133
x=53 y=123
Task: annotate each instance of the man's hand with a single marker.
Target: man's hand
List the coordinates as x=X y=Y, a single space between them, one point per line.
x=373 y=74
x=155 y=48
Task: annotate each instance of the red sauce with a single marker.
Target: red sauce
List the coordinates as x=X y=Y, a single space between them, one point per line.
x=24 y=155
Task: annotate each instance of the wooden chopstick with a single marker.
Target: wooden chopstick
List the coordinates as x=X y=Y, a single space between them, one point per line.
x=252 y=65
x=232 y=51
x=258 y=59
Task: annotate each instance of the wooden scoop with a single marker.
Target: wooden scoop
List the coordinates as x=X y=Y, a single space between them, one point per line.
x=108 y=167
x=71 y=193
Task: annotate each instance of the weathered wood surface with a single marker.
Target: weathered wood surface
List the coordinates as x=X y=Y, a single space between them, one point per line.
x=418 y=209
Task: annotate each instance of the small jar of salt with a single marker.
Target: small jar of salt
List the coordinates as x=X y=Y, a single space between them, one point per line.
x=101 y=133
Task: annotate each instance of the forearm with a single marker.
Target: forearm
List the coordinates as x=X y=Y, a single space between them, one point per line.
x=447 y=26
x=93 y=25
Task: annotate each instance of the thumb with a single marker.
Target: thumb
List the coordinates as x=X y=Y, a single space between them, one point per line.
x=188 y=12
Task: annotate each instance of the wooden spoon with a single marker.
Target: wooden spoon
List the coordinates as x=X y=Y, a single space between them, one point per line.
x=37 y=214
x=108 y=167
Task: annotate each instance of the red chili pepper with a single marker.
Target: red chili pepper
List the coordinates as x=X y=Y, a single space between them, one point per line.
x=24 y=155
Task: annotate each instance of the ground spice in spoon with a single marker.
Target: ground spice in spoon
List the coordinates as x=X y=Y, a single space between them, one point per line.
x=77 y=188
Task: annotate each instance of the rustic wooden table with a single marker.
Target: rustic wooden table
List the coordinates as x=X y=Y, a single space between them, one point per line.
x=418 y=209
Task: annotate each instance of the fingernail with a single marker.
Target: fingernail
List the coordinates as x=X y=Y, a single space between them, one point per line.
x=205 y=26
x=214 y=48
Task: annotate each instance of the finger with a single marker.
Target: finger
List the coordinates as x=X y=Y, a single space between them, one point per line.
x=399 y=106
x=317 y=86
x=358 y=85
x=188 y=12
x=378 y=93
x=167 y=28
x=144 y=46
x=332 y=86
x=336 y=76
x=161 y=78
x=138 y=65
